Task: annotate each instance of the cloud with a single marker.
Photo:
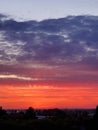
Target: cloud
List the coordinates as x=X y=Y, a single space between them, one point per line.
x=17 y=77
x=54 y=50
x=69 y=40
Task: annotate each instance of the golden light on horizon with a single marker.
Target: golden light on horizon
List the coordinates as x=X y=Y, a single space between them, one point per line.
x=48 y=96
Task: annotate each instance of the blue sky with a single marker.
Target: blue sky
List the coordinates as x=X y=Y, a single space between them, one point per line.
x=43 y=9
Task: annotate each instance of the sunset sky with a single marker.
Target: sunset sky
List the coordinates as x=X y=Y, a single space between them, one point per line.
x=45 y=65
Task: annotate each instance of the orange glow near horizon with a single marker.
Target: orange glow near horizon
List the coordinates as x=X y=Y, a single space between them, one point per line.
x=37 y=96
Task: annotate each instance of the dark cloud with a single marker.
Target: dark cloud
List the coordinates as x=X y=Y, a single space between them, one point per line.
x=66 y=38
x=50 y=43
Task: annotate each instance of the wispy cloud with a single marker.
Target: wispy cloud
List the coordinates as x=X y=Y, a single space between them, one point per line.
x=17 y=77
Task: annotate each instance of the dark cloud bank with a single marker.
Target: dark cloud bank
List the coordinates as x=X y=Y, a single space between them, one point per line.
x=69 y=41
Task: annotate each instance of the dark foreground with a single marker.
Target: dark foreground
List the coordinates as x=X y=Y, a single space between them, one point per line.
x=49 y=119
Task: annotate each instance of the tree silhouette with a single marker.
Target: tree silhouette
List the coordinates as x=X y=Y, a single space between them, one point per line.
x=58 y=113
x=2 y=112
x=30 y=113
x=95 y=119
x=96 y=114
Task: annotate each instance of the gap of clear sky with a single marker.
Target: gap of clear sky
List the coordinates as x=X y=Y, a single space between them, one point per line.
x=44 y=9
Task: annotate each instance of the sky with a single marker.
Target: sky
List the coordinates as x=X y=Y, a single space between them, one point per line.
x=47 y=67
x=44 y=9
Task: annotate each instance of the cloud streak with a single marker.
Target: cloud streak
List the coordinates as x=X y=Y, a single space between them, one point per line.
x=17 y=77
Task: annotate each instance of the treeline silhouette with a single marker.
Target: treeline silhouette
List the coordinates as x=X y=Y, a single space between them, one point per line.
x=49 y=119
